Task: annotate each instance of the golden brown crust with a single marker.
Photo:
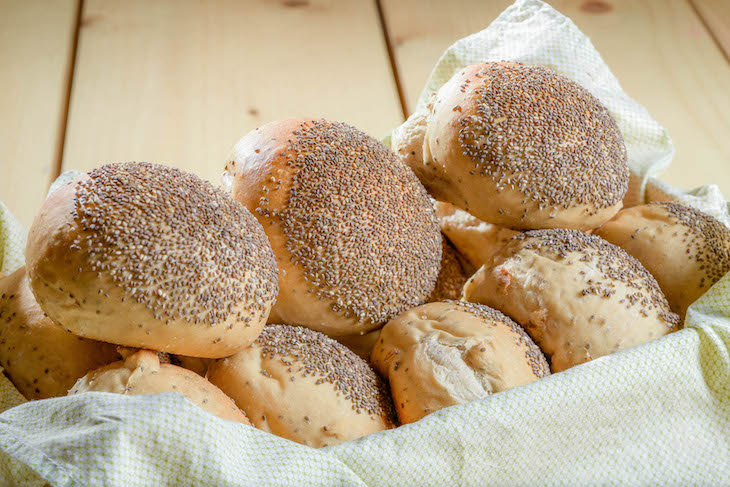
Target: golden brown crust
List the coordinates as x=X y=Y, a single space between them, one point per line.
x=299 y=384
x=442 y=354
x=150 y=257
x=524 y=147
x=578 y=296
x=142 y=373
x=353 y=230
x=41 y=359
x=686 y=250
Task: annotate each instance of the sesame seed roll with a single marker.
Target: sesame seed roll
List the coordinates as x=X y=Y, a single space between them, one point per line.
x=686 y=250
x=304 y=386
x=578 y=296
x=352 y=228
x=141 y=372
x=148 y=256
x=524 y=147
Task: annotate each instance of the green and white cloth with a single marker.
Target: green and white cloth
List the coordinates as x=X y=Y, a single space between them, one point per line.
x=657 y=414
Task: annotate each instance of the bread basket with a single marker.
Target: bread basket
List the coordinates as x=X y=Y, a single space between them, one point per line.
x=657 y=414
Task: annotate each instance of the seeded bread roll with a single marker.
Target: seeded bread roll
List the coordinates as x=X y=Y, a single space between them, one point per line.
x=147 y=256
x=142 y=373
x=685 y=250
x=476 y=240
x=353 y=230
x=301 y=385
x=41 y=359
x=524 y=147
x=442 y=354
x=451 y=277
x=362 y=345
x=578 y=296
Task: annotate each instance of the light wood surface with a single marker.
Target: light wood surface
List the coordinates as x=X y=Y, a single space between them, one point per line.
x=661 y=52
x=179 y=82
x=36 y=40
x=716 y=15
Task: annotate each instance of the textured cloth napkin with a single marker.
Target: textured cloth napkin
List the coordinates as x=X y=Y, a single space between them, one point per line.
x=657 y=414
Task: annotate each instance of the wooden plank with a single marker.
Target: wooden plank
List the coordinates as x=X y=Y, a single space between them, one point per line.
x=660 y=51
x=36 y=43
x=179 y=82
x=716 y=16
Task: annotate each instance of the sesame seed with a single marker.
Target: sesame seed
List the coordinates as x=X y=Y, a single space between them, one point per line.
x=544 y=135
x=151 y=227
x=357 y=222
x=313 y=353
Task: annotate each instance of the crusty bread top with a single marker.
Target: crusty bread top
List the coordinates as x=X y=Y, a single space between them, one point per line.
x=352 y=217
x=536 y=130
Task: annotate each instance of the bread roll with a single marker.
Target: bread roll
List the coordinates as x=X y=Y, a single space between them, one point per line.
x=451 y=277
x=476 y=240
x=685 y=250
x=301 y=385
x=524 y=147
x=41 y=359
x=147 y=256
x=578 y=296
x=142 y=373
x=353 y=230
x=442 y=354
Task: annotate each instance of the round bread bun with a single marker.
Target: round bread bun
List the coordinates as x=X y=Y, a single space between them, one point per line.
x=147 y=256
x=353 y=231
x=476 y=240
x=578 y=296
x=451 y=277
x=442 y=354
x=142 y=373
x=524 y=147
x=41 y=359
x=301 y=385
x=362 y=345
x=685 y=250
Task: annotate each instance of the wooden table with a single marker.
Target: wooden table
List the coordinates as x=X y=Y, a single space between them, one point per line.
x=179 y=81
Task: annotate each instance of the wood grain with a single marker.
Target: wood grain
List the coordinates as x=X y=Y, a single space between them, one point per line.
x=716 y=16
x=179 y=82
x=36 y=40
x=660 y=51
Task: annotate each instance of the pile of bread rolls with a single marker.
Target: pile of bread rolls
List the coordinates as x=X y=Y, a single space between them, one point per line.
x=333 y=288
